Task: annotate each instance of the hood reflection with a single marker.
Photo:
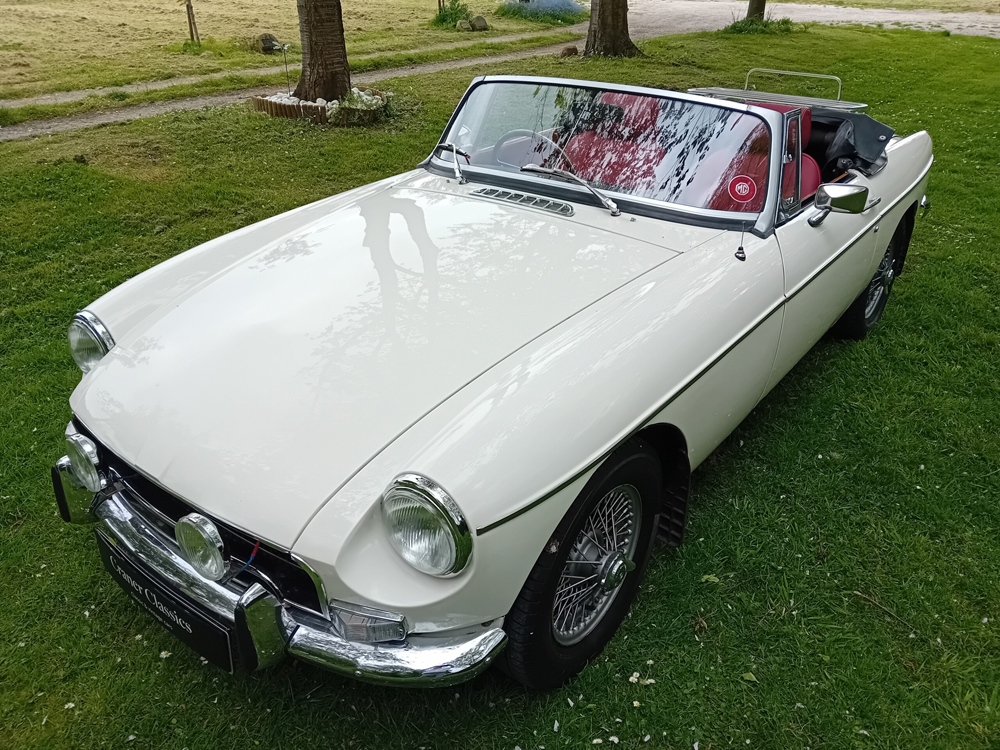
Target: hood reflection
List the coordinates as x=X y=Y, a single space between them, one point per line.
x=327 y=343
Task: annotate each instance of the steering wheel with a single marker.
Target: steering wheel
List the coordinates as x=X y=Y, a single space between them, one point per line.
x=520 y=132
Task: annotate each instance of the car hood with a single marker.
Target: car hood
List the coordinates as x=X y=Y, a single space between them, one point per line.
x=259 y=392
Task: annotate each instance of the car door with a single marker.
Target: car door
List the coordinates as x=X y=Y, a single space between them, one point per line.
x=826 y=266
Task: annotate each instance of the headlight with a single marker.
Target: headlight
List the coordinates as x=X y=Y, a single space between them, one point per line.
x=82 y=455
x=89 y=340
x=425 y=526
x=201 y=545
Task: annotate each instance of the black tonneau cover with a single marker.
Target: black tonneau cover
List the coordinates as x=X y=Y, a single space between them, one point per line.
x=859 y=138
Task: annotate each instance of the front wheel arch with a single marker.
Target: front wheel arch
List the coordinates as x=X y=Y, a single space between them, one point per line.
x=671 y=448
x=533 y=656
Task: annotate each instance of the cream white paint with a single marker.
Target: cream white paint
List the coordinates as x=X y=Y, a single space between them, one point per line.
x=271 y=382
x=279 y=377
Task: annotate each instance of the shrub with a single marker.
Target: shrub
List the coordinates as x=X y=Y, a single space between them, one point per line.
x=544 y=11
x=759 y=26
x=451 y=13
x=225 y=48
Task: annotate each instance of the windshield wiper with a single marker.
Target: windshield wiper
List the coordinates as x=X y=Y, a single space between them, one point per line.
x=570 y=177
x=455 y=153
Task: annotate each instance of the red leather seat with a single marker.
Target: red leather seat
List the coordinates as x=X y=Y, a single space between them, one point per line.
x=624 y=153
x=810 y=179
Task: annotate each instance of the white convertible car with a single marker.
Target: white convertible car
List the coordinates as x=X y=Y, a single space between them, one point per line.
x=439 y=421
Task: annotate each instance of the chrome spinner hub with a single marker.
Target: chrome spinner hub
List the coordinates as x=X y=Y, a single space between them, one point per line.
x=616 y=566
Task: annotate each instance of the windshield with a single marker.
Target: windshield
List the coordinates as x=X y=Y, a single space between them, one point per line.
x=670 y=150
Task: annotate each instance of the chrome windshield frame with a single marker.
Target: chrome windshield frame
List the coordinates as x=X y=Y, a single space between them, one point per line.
x=760 y=224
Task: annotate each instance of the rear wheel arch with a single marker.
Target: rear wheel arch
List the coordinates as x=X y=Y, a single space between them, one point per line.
x=671 y=448
x=906 y=224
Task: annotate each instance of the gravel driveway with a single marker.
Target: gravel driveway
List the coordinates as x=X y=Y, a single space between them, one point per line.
x=658 y=17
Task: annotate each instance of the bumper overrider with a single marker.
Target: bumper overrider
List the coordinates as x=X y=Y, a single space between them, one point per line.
x=241 y=626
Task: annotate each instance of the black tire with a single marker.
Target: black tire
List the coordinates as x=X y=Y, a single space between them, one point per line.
x=536 y=655
x=867 y=309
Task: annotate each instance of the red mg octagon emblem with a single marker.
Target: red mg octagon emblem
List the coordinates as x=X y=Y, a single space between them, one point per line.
x=742 y=189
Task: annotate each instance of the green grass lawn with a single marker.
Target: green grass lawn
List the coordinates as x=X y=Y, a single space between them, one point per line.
x=236 y=81
x=64 y=45
x=873 y=468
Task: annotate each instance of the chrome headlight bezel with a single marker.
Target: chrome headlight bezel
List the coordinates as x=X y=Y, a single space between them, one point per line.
x=87 y=327
x=434 y=499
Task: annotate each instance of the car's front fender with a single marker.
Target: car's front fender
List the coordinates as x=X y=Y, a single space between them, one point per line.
x=515 y=447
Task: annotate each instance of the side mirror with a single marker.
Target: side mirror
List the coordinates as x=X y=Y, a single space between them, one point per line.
x=838 y=198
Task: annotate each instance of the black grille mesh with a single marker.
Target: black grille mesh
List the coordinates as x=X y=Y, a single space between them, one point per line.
x=273 y=568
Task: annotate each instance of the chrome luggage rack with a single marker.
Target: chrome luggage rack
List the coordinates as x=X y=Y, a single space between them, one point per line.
x=746 y=94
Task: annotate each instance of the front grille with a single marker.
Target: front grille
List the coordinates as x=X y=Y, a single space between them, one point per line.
x=273 y=568
x=523 y=199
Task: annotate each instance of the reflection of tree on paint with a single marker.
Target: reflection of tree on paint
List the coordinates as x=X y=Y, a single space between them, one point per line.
x=376 y=214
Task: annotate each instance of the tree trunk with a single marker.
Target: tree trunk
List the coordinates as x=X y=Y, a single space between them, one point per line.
x=608 y=33
x=756 y=9
x=192 y=26
x=326 y=73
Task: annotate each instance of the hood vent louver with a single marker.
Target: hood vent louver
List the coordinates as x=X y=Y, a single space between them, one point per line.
x=523 y=199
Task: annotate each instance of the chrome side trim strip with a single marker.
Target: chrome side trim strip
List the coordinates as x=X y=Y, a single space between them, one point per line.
x=860 y=235
x=650 y=415
x=670 y=399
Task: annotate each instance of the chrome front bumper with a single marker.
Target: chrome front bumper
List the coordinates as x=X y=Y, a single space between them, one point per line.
x=266 y=629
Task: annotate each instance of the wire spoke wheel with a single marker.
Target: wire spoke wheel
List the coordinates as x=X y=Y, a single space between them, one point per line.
x=601 y=557
x=588 y=573
x=881 y=283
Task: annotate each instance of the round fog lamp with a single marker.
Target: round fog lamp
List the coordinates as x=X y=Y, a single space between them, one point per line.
x=82 y=455
x=201 y=545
